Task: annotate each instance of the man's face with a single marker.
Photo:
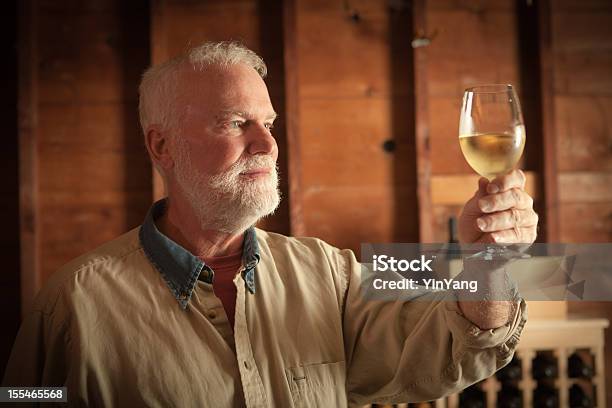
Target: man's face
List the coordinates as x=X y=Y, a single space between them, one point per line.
x=225 y=155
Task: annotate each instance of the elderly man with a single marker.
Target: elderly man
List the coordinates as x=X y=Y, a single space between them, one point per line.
x=198 y=308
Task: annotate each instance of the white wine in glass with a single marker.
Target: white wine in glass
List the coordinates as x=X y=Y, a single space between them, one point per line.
x=492 y=139
x=491 y=129
x=493 y=154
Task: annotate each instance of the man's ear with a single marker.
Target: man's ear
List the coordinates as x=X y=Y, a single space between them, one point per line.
x=158 y=145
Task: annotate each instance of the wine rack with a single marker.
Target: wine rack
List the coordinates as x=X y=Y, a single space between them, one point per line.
x=558 y=363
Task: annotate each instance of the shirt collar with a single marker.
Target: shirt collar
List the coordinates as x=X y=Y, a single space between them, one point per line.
x=179 y=267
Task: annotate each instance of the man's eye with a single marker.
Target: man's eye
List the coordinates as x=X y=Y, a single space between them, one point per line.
x=269 y=126
x=236 y=124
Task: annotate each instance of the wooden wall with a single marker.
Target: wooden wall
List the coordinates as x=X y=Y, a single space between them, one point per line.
x=356 y=104
x=85 y=174
x=582 y=67
x=581 y=33
x=355 y=98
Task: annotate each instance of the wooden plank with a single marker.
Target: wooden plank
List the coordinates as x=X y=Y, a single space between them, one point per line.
x=81 y=229
x=583 y=73
x=292 y=111
x=578 y=31
x=347 y=140
x=188 y=23
x=93 y=177
x=585 y=187
x=585 y=222
x=83 y=58
x=83 y=7
x=361 y=66
x=582 y=51
x=547 y=309
x=472 y=6
x=549 y=135
x=537 y=333
x=584 y=126
x=441 y=214
x=91 y=171
x=421 y=119
x=470 y=47
x=583 y=5
x=28 y=154
x=92 y=127
x=457 y=189
x=348 y=216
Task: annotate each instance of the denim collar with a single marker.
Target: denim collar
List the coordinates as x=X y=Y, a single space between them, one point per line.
x=179 y=267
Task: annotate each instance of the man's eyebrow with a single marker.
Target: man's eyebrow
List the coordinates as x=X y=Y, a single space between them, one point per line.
x=243 y=114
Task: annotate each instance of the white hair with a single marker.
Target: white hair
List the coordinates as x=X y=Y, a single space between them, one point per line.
x=157 y=105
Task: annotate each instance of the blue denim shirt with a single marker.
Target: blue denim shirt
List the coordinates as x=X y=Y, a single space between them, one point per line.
x=179 y=267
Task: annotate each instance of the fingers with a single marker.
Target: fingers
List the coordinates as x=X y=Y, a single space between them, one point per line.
x=507 y=219
x=482 y=187
x=518 y=235
x=515 y=197
x=514 y=179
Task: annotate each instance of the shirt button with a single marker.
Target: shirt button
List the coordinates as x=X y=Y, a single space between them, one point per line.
x=212 y=315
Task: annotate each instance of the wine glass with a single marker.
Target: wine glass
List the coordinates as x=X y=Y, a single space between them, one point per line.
x=492 y=139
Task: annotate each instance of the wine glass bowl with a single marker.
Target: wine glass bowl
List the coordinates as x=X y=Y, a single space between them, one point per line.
x=491 y=129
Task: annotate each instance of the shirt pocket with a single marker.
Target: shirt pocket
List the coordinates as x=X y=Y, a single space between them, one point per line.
x=318 y=385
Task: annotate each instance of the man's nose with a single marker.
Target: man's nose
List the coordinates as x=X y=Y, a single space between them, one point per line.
x=261 y=141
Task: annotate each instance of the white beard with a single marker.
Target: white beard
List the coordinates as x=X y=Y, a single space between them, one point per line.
x=227 y=201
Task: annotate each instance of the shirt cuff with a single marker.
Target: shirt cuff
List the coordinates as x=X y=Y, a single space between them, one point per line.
x=505 y=337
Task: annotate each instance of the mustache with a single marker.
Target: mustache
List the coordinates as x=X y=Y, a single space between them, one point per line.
x=250 y=163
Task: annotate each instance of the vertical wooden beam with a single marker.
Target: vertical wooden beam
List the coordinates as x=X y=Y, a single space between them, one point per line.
x=271 y=49
x=549 y=138
x=159 y=53
x=28 y=157
x=296 y=219
x=421 y=116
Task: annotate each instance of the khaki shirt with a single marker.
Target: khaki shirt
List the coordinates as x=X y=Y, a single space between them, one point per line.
x=131 y=326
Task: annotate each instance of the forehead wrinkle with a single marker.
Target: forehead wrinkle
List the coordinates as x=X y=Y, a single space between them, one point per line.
x=243 y=114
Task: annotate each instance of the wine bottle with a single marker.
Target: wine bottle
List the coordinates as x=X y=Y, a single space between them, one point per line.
x=453 y=248
x=511 y=372
x=452 y=230
x=472 y=397
x=544 y=366
x=510 y=397
x=577 y=368
x=545 y=397
x=578 y=398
